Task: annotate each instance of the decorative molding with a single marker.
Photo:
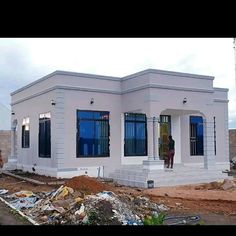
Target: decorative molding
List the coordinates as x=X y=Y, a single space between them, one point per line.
x=112 y=78
x=112 y=91
x=220 y=100
x=164 y=72
x=67 y=73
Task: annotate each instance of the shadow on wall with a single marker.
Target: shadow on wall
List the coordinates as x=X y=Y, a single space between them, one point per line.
x=5 y=144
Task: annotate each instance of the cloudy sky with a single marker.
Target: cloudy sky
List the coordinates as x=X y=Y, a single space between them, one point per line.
x=23 y=60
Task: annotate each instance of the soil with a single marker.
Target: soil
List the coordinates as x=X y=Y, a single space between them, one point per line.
x=14 y=185
x=9 y=217
x=42 y=178
x=87 y=185
x=214 y=204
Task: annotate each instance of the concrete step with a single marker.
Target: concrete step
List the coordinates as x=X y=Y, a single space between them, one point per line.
x=137 y=177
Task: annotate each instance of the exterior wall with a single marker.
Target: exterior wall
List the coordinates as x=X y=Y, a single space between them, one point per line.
x=167 y=79
x=151 y=92
x=133 y=102
x=5 y=144
x=232 y=143
x=63 y=79
x=28 y=157
x=176 y=134
x=102 y=102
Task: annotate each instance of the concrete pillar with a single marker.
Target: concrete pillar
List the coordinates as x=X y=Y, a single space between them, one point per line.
x=150 y=138
x=155 y=138
x=153 y=162
x=208 y=140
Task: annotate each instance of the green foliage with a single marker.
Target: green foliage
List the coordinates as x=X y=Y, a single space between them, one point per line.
x=93 y=218
x=154 y=220
x=201 y=222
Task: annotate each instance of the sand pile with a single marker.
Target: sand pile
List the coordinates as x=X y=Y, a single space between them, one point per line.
x=87 y=184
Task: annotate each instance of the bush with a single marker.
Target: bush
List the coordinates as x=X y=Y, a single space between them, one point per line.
x=154 y=220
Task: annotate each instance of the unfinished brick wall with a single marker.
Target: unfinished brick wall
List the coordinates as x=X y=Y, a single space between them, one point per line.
x=232 y=143
x=5 y=143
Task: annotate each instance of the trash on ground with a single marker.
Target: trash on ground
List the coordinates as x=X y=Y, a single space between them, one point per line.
x=3 y=191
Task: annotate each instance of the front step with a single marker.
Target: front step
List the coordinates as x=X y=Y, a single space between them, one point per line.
x=136 y=177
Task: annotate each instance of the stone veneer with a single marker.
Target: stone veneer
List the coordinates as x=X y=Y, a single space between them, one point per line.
x=5 y=143
x=232 y=143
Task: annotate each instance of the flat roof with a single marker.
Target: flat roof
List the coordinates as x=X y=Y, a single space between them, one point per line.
x=112 y=78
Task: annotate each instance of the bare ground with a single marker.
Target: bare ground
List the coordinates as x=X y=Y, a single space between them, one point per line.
x=214 y=205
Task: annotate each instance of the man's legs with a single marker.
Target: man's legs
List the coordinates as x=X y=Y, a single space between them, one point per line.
x=172 y=153
x=169 y=159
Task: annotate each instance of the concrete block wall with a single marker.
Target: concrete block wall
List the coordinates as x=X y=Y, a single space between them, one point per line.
x=5 y=143
x=232 y=143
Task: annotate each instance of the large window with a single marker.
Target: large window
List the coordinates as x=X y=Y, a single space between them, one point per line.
x=45 y=135
x=135 y=134
x=196 y=136
x=25 y=138
x=92 y=134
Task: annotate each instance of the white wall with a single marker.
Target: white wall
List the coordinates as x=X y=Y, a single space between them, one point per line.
x=176 y=135
x=152 y=93
x=102 y=102
x=32 y=108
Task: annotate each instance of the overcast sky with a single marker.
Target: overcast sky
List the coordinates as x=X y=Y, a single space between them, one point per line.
x=24 y=60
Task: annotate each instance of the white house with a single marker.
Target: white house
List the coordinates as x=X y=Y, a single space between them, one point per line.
x=70 y=124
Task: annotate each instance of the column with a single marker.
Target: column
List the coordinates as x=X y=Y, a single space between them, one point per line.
x=150 y=138
x=153 y=162
x=155 y=138
x=209 y=154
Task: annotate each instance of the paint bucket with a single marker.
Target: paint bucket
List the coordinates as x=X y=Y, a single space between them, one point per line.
x=150 y=183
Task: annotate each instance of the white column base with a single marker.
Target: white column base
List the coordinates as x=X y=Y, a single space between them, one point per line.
x=152 y=164
x=209 y=163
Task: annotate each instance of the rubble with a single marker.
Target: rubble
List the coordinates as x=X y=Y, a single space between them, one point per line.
x=85 y=204
x=3 y=191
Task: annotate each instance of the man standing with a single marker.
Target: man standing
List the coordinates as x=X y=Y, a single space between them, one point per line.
x=171 y=152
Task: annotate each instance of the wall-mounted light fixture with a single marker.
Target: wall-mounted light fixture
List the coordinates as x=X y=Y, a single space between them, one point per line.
x=92 y=101
x=53 y=103
x=185 y=100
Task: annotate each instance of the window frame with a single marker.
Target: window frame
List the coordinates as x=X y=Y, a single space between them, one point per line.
x=42 y=147
x=214 y=119
x=195 y=137
x=146 y=136
x=25 y=134
x=78 y=155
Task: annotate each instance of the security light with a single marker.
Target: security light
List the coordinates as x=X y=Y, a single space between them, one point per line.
x=53 y=102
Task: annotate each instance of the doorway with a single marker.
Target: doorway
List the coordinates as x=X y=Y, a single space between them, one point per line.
x=165 y=131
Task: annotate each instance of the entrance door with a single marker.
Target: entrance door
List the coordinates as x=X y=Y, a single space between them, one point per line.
x=165 y=131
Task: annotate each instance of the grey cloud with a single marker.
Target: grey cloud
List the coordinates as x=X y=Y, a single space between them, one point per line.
x=16 y=69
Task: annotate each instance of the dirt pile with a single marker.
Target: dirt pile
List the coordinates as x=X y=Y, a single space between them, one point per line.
x=87 y=185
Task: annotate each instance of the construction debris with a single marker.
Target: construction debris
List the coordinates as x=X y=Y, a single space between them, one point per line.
x=3 y=191
x=84 y=204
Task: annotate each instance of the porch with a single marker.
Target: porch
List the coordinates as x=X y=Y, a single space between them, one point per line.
x=136 y=176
